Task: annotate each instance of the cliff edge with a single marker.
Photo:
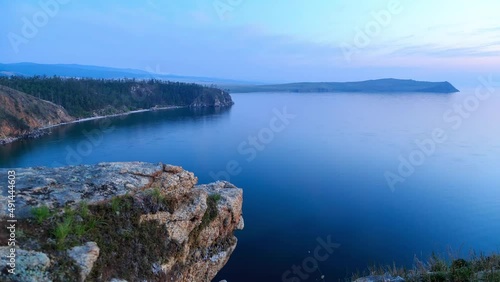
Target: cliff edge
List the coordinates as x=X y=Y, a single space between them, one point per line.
x=118 y=221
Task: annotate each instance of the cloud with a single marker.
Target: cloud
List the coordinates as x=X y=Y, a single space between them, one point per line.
x=436 y=50
x=188 y=38
x=451 y=40
x=495 y=29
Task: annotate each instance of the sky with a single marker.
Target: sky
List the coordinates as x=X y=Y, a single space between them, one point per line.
x=257 y=40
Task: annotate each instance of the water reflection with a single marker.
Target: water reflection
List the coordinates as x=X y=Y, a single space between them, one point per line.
x=59 y=136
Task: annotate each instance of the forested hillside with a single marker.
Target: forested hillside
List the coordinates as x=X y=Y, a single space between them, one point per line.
x=85 y=97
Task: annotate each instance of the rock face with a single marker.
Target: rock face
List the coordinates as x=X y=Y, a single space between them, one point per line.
x=21 y=113
x=127 y=221
x=212 y=98
x=85 y=257
x=30 y=265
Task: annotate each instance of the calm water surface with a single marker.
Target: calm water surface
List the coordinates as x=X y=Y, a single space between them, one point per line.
x=321 y=175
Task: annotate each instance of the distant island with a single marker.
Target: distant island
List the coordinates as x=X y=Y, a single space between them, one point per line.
x=388 y=85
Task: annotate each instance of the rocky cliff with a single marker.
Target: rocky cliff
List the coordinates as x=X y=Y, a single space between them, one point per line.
x=119 y=221
x=20 y=113
x=212 y=97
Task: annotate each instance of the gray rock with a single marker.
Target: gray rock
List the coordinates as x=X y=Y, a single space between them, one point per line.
x=212 y=98
x=57 y=187
x=30 y=266
x=85 y=256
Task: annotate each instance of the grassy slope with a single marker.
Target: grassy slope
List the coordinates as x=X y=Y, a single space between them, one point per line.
x=437 y=269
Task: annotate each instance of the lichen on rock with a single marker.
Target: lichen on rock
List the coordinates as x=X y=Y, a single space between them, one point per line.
x=85 y=257
x=29 y=265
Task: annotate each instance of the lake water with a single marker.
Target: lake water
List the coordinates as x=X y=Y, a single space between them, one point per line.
x=320 y=174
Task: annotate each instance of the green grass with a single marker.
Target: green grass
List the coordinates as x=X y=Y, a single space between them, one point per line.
x=115 y=226
x=478 y=268
x=212 y=210
x=156 y=193
x=41 y=213
x=115 y=205
x=215 y=197
x=119 y=234
x=62 y=231
x=73 y=222
x=128 y=246
x=210 y=215
x=83 y=209
x=79 y=229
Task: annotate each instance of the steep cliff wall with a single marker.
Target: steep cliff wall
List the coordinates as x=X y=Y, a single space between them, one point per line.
x=130 y=221
x=212 y=97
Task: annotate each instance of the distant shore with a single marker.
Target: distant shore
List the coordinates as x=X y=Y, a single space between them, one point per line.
x=39 y=132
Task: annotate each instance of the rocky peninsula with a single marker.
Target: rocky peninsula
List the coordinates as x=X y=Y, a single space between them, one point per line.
x=118 y=222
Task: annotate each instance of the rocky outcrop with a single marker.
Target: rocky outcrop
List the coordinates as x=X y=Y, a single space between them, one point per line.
x=85 y=256
x=21 y=115
x=212 y=97
x=123 y=221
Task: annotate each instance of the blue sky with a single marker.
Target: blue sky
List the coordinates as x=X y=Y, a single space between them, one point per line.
x=278 y=41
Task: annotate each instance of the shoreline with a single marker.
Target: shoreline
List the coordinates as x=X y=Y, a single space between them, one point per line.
x=39 y=131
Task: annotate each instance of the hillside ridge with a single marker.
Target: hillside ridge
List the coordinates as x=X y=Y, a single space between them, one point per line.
x=386 y=85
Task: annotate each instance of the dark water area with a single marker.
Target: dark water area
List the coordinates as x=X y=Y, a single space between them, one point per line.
x=314 y=169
